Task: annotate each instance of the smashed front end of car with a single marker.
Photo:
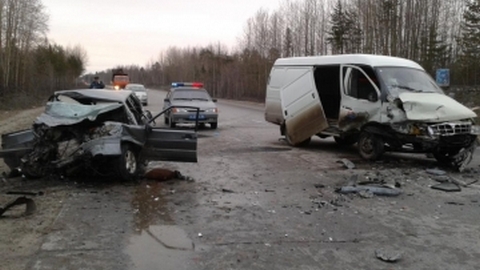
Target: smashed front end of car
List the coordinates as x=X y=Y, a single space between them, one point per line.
x=66 y=138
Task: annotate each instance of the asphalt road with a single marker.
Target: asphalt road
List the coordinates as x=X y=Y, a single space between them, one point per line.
x=257 y=203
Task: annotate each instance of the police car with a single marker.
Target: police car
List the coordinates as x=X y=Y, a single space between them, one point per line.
x=194 y=95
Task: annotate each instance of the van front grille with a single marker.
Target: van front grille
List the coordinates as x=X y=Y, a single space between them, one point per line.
x=451 y=129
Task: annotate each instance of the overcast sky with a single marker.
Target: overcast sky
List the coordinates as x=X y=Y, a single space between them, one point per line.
x=125 y=32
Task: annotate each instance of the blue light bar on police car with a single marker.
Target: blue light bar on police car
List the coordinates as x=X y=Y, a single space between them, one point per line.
x=192 y=84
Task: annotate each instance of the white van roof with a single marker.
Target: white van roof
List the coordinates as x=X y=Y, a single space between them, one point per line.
x=365 y=59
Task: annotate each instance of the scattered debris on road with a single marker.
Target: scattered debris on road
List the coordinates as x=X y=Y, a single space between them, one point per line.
x=380 y=191
x=29 y=209
x=160 y=174
x=388 y=255
x=347 y=163
x=447 y=187
x=436 y=172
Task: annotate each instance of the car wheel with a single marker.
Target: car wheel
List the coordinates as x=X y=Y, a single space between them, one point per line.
x=370 y=146
x=345 y=141
x=31 y=172
x=214 y=125
x=127 y=164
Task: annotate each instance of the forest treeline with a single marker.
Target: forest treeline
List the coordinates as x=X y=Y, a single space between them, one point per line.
x=434 y=33
x=31 y=67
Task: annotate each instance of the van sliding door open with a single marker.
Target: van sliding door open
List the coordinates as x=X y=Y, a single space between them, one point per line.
x=302 y=110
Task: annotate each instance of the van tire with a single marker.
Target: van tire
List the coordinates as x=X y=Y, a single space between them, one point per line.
x=370 y=146
x=345 y=141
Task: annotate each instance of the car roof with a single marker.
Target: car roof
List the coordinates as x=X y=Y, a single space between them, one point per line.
x=365 y=59
x=112 y=95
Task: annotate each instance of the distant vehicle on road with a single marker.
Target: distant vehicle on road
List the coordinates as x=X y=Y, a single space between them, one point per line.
x=119 y=79
x=190 y=94
x=140 y=91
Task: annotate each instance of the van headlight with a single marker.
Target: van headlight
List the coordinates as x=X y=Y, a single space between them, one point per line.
x=475 y=130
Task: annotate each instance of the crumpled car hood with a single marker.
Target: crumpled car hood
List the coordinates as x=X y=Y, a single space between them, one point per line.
x=63 y=113
x=433 y=107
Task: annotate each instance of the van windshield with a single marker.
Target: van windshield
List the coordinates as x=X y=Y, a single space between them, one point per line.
x=402 y=79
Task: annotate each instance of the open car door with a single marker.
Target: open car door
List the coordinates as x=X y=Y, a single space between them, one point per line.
x=171 y=145
x=302 y=109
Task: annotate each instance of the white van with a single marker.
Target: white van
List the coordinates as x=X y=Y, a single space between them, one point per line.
x=384 y=103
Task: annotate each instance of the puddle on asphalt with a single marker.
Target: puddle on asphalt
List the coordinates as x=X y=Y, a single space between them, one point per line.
x=161 y=247
x=158 y=246
x=150 y=206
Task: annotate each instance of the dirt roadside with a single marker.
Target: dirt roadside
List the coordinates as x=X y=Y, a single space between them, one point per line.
x=20 y=236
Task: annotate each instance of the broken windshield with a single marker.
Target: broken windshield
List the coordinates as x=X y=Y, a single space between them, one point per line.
x=62 y=113
x=401 y=79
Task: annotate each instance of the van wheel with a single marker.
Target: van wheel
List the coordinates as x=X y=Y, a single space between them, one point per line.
x=127 y=163
x=370 y=146
x=213 y=125
x=345 y=141
x=300 y=144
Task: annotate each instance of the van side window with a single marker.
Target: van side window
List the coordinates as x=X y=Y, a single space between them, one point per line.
x=358 y=86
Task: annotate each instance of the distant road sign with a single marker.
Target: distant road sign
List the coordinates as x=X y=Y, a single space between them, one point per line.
x=443 y=77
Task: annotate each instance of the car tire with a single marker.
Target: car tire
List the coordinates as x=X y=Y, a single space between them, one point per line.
x=31 y=173
x=345 y=141
x=370 y=146
x=128 y=164
x=214 y=125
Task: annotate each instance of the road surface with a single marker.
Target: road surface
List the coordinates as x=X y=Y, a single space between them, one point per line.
x=255 y=203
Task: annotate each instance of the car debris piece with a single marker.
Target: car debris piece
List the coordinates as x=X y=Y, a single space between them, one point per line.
x=29 y=209
x=436 y=172
x=447 y=187
x=161 y=174
x=381 y=191
x=367 y=194
x=226 y=190
x=347 y=163
x=388 y=255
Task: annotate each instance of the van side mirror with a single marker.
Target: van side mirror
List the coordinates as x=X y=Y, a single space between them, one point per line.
x=373 y=97
x=214 y=99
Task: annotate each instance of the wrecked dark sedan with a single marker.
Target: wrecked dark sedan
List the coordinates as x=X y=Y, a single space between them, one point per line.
x=96 y=131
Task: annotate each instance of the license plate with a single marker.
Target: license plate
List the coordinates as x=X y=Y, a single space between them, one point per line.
x=200 y=116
